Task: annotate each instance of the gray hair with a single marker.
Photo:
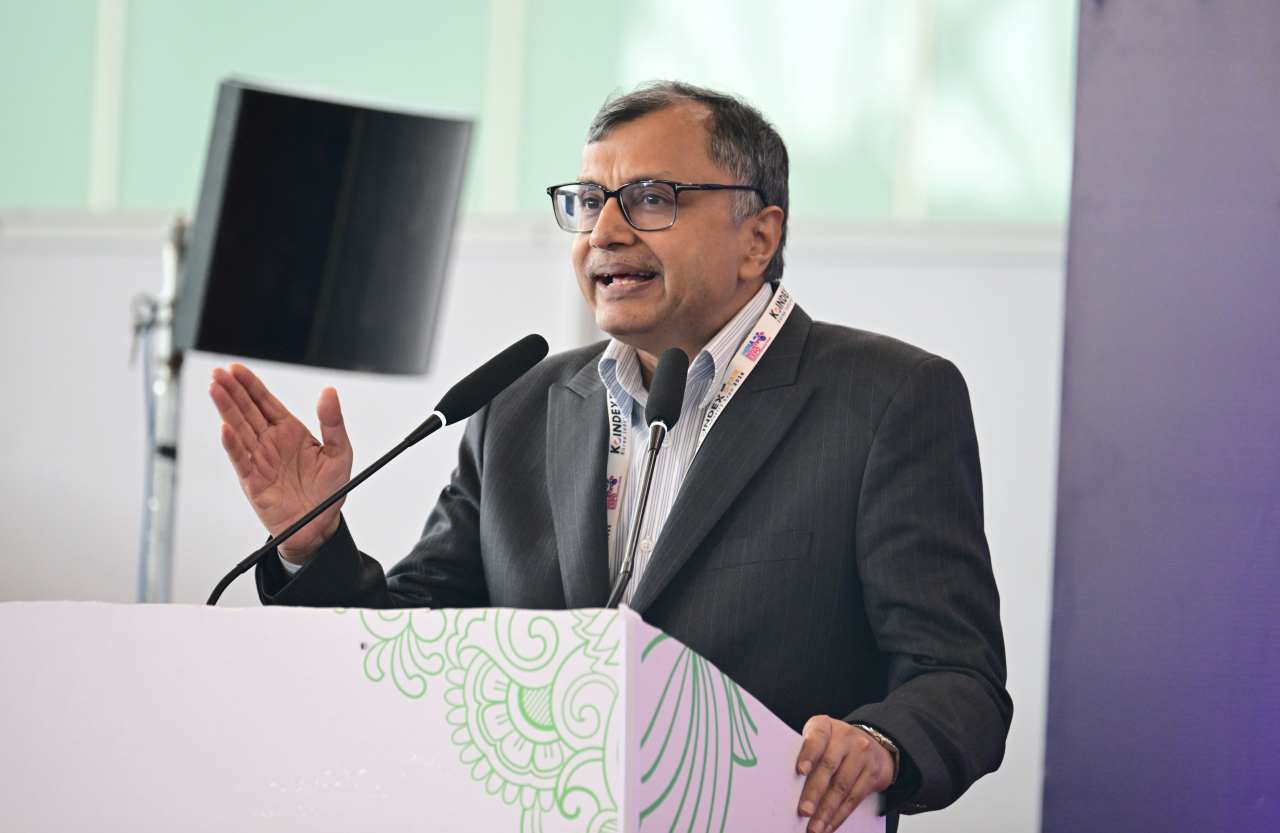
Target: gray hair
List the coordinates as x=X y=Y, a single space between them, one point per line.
x=741 y=142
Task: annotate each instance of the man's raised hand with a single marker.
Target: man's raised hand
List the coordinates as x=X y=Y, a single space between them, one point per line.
x=283 y=469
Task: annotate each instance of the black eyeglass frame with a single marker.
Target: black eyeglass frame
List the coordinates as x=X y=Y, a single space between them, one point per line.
x=677 y=187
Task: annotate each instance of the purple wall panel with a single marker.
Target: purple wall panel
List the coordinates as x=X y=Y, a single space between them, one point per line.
x=1164 y=694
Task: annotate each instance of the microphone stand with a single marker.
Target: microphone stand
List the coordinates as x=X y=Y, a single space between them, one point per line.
x=657 y=434
x=161 y=372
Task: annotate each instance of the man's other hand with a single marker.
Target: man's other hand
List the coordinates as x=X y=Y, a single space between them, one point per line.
x=283 y=469
x=844 y=765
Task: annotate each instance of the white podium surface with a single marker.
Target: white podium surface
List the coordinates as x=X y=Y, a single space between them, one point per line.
x=123 y=717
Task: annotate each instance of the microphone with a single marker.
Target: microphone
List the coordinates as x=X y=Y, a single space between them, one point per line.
x=666 y=392
x=462 y=400
x=661 y=411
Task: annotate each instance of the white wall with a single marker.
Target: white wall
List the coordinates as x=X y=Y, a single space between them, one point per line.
x=989 y=298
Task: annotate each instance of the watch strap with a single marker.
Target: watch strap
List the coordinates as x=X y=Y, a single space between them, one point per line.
x=889 y=746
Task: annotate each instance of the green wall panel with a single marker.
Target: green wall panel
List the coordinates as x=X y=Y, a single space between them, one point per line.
x=824 y=71
x=1001 y=132
x=890 y=108
x=422 y=52
x=46 y=93
x=570 y=68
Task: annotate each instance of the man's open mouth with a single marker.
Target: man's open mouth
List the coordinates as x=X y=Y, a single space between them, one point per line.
x=625 y=278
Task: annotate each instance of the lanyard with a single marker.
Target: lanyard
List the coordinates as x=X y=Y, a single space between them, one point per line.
x=744 y=361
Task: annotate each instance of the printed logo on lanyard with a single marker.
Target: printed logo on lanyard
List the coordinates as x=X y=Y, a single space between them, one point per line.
x=754 y=346
x=619 y=429
x=619 y=459
x=744 y=361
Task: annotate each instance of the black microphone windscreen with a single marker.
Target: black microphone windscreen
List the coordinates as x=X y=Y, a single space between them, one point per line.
x=666 y=392
x=491 y=378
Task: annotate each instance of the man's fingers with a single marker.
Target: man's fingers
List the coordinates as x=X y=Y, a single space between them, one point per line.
x=333 y=431
x=842 y=782
x=220 y=393
x=266 y=403
x=231 y=413
x=816 y=733
x=862 y=789
x=243 y=401
x=819 y=780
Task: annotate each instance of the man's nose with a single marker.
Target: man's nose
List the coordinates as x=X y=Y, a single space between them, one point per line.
x=612 y=228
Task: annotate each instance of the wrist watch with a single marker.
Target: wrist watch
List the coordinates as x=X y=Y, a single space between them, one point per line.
x=889 y=746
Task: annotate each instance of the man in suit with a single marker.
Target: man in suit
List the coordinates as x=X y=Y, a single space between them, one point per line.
x=821 y=541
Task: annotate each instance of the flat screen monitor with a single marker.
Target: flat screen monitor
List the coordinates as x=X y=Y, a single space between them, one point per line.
x=322 y=232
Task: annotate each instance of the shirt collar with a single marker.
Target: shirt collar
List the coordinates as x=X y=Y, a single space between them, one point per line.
x=619 y=367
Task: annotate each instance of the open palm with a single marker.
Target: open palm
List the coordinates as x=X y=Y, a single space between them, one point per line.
x=283 y=469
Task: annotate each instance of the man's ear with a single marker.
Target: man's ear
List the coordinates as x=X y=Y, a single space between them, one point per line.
x=762 y=232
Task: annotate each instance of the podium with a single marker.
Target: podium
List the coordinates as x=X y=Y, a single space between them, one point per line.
x=167 y=717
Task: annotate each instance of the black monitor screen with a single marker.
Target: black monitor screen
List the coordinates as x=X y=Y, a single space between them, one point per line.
x=322 y=233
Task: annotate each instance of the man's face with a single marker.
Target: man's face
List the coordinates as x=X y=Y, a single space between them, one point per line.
x=676 y=287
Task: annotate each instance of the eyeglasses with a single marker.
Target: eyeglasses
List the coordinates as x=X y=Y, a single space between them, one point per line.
x=648 y=206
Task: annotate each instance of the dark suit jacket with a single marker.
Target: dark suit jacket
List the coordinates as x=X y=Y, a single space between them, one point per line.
x=826 y=550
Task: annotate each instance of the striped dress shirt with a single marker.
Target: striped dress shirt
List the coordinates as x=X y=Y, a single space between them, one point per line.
x=619 y=369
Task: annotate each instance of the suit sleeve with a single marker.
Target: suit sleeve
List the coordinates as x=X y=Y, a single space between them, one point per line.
x=444 y=568
x=930 y=593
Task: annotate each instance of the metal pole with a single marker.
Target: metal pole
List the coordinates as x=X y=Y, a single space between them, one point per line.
x=155 y=567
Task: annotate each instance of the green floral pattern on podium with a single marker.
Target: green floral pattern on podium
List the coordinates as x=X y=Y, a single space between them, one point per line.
x=532 y=697
x=698 y=733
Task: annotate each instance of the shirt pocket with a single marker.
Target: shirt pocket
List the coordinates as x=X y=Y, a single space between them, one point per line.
x=758 y=549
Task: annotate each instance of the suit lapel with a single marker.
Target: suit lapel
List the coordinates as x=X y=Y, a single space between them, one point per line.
x=577 y=435
x=743 y=438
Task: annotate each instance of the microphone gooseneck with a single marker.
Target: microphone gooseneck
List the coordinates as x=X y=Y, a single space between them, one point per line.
x=661 y=411
x=463 y=399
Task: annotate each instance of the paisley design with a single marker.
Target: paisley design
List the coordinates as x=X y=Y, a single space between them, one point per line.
x=532 y=695
x=698 y=733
